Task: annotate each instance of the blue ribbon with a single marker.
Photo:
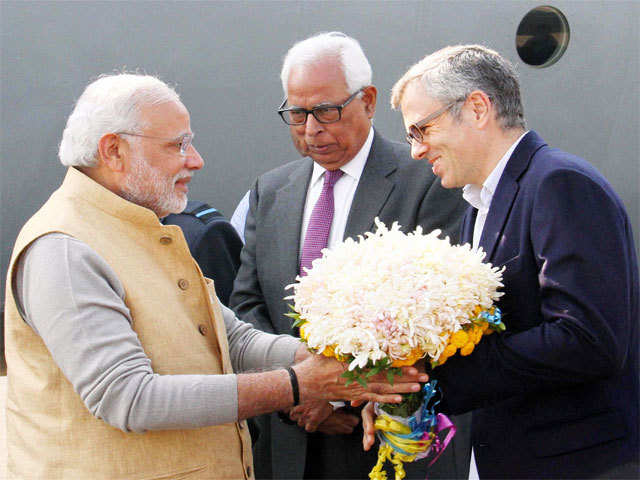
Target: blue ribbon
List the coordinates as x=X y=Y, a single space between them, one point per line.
x=494 y=319
x=428 y=418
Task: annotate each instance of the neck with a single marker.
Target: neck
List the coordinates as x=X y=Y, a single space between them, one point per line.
x=495 y=148
x=97 y=175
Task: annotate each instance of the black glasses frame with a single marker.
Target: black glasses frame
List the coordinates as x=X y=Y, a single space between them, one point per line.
x=314 y=111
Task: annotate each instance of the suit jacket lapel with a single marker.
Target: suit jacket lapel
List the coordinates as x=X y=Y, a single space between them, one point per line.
x=468 y=221
x=373 y=189
x=506 y=192
x=289 y=206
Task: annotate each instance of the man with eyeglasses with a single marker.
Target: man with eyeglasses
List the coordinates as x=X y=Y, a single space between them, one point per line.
x=350 y=175
x=557 y=394
x=120 y=357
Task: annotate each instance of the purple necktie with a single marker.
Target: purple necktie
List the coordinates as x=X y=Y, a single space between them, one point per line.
x=320 y=222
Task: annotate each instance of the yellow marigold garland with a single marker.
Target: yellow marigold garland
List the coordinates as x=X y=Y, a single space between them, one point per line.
x=465 y=340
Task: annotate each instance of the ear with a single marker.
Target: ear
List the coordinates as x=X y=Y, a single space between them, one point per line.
x=481 y=108
x=112 y=151
x=369 y=97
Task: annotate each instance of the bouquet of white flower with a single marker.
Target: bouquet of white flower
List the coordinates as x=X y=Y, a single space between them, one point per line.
x=388 y=300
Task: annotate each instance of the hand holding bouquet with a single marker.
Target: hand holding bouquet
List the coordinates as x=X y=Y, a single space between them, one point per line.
x=388 y=300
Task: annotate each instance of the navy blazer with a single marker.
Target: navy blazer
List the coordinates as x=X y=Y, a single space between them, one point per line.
x=557 y=393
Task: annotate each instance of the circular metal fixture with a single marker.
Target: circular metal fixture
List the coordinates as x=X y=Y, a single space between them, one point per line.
x=542 y=36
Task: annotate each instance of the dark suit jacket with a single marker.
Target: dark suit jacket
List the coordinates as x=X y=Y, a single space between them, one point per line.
x=213 y=242
x=557 y=393
x=392 y=187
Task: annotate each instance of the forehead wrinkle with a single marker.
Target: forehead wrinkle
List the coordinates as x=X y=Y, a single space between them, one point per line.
x=317 y=105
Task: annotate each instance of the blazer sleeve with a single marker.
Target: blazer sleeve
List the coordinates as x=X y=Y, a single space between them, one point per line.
x=574 y=326
x=247 y=299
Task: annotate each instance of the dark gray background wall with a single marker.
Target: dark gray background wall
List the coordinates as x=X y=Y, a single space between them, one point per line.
x=225 y=58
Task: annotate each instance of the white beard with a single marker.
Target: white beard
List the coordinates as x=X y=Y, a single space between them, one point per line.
x=148 y=187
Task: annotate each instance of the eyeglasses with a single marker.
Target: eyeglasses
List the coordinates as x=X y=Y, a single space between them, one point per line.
x=184 y=141
x=322 y=113
x=415 y=131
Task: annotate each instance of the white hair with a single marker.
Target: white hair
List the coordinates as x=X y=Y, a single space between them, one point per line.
x=354 y=63
x=108 y=105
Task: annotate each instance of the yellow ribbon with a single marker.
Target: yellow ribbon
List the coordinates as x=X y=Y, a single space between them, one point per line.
x=391 y=429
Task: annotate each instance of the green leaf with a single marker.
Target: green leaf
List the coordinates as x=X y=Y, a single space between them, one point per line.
x=299 y=322
x=372 y=372
x=348 y=375
x=361 y=381
x=410 y=403
x=390 y=375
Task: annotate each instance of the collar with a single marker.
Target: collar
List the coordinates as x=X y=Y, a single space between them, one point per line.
x=77 y=184
x=353 y=167
x=479 y=197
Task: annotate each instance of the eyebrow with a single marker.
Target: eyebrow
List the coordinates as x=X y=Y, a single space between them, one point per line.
x=182 y=135
x=323 y=104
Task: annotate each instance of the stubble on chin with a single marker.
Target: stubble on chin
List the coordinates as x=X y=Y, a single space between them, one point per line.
x=147 y=187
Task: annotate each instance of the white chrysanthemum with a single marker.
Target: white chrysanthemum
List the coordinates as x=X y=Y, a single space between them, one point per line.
x=390 y=293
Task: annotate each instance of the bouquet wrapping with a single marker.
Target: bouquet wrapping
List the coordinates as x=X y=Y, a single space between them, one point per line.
x=389 y=299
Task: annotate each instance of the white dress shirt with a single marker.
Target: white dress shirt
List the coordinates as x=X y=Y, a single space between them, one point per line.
x=479 y=197
x=239 y=217
x=343 y=192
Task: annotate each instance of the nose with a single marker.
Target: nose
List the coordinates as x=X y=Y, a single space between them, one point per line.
x=193 y=160
x=419 y=150
x=312 y=127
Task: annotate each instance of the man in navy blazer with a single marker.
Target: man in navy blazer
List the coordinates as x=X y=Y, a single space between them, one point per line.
x=556 y=395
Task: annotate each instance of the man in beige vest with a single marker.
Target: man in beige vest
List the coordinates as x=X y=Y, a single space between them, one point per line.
x=120 y=357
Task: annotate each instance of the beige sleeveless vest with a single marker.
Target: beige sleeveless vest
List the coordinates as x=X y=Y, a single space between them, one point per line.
x=50 y=433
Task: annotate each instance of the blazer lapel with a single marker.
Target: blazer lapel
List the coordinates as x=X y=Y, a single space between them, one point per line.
x=289 y=206
x=468 y=221
x=373 y=188
x=506 y=192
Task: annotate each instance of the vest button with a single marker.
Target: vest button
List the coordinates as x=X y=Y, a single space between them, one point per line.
x=202 y=329
x=165 y=240
x=183 y=284
x=249 y=471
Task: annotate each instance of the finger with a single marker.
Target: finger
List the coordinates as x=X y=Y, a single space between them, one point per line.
x=382 y=398
x=407 y=375
x=296 y=410
x=368 y=418
x=311 y=427
x=384 y=388
x=413 y=372
x=367 y=441
x=346 y=430
x=368 y=437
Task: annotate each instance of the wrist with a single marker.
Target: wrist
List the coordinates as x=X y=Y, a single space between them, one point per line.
x=295 y=387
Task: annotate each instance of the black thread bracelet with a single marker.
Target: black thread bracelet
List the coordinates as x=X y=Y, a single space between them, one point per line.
x=294 y=385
